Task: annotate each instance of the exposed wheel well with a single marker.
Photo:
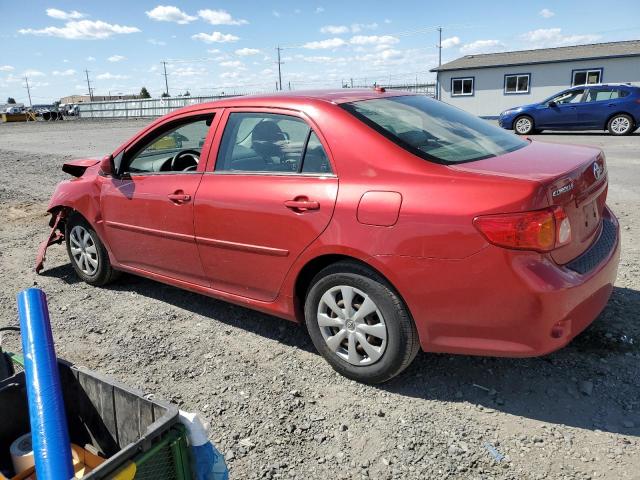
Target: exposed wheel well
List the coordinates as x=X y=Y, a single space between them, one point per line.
x=606 y=124
x=311 y=269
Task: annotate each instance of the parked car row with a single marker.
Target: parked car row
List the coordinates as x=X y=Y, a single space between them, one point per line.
x=611 y=107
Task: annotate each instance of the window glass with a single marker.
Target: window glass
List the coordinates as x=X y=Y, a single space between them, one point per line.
x=572 y=96
x=158 y=155
x=434 y=130
x=517 y=84
x=586 y=77
x=462 y=86
x=315 y=158
x=600 y=95
x=262 y=142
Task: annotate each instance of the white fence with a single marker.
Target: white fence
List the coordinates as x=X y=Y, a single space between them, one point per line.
x=148 y=107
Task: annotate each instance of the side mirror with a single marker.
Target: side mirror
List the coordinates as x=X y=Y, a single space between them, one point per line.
x=552 y=104
x=106 y=166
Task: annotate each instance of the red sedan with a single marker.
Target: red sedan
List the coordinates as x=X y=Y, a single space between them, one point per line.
x=387 y=222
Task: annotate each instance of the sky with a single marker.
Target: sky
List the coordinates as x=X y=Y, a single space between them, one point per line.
x=225 y=46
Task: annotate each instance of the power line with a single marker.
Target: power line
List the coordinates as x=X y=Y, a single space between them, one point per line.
x=166 y=81
x=439 y=62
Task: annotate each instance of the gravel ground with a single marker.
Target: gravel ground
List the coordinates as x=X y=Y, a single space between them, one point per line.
x=276 y=408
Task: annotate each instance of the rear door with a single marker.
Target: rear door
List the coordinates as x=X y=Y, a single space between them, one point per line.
x=599 y=103
x=148 y=211
x=562 y=113
x=270 y=194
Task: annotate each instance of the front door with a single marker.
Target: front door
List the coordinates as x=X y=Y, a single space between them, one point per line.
x=560 y=112
x=148 y=210
x=271 y=193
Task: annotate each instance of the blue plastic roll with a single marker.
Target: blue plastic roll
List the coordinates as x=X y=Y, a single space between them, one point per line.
x=49 y=431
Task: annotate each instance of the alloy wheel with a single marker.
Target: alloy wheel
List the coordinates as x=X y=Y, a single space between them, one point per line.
x=352 y=325
x=83 y=250
x=620 y=125
x=523 y=125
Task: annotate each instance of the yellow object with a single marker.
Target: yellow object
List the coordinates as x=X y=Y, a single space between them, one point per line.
x=127 y=473
x=83 y=463
x=14 y=117
x=164 y=143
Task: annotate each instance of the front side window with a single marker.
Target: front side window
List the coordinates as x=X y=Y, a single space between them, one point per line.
x=461 y=87
x=175 y=148
x=434 y=130
x=270 y=143
x=587 y=77
x=516 y=83
x=572 y=96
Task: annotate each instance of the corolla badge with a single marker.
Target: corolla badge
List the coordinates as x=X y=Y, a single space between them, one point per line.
x=567 y=188
x=597 y=170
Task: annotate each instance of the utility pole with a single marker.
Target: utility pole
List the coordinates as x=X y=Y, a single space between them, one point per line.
x=439 y=62
x=279 y=69
x=26 y=79
x=89 y=85
x=166 y=82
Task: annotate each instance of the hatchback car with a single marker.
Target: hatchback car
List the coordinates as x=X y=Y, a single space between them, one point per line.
x=386 y=222
x=612 y=107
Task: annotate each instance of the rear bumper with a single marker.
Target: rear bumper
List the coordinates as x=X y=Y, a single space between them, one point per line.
x=505 y=303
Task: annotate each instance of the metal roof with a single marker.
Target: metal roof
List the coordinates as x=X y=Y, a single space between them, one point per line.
x=629 y=48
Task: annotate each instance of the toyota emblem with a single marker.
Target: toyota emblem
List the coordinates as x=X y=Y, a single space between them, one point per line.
x=597 y=170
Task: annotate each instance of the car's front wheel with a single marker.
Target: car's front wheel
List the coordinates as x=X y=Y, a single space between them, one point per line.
x=88 y=256
x=621 y=124
x=359 y=323
x=523 y=125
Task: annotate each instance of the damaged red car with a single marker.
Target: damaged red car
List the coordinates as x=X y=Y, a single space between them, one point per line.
x=386 y=222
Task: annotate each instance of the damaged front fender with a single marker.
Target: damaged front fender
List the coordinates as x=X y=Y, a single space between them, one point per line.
x=55 y=236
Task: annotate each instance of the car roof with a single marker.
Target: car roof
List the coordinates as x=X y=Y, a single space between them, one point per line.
x=591 y=85
x=298 y=99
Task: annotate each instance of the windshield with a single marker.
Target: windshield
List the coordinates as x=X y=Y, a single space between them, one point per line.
x=434 y=130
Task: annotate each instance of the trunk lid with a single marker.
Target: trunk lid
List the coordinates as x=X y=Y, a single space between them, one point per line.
x=573 y=177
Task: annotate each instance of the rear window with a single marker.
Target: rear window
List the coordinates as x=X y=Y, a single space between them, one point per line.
x=434 y=130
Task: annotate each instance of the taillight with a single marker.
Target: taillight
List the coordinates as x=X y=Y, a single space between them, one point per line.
x=539 y=230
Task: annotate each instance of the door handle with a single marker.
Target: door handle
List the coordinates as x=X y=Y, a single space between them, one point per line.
x=302 y=205
x=179 y=197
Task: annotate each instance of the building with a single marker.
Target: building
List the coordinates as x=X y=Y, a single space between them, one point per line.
x=487 y=84
x=71 y=99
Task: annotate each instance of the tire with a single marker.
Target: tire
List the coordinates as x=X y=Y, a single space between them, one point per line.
x=620 y=124
x=523 y=125
x=87 y=254
x=390 y=348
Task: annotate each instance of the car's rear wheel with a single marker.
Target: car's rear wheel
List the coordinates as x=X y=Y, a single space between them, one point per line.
x=621 y=124
x=523 y=125
x=359 y=323
x=88 y=256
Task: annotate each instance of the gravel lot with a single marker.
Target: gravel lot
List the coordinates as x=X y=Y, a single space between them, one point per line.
x=276 y=408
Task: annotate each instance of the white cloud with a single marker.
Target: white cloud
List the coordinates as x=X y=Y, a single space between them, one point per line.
x=276 y=13
x=319 y=9
x=62 y=15
x=91 y=59
x=329 y=43
x=373 y=40
x=82 y=30
x=215 y=37
x=6 y=68
x=213 y=50
x=450 y=42
x=159 y=43
x=546 y=13
x=387 y=21
x=229 y=75
x=116 y=58
x=169 y=13
x=111 y=76
x=334 y=29
x=219 y=17
x=481 y=46
x=553 y=37
x=358 y=27
x=64 y=73
x=245 y=52
x=33 y=73
x=231 y=64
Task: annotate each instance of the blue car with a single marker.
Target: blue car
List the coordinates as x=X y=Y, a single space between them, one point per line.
x=612 y=107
